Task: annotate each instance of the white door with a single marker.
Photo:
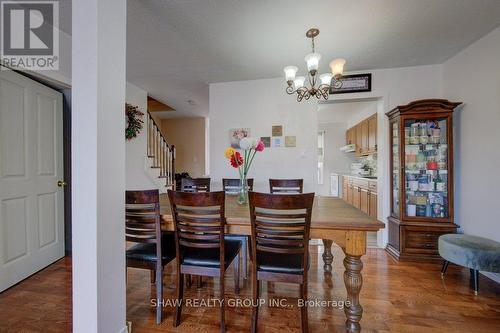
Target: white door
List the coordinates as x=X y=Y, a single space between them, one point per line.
x=31 y=164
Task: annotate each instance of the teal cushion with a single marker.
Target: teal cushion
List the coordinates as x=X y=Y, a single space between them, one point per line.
x=471 y=251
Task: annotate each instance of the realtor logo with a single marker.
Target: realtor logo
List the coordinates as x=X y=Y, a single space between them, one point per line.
x=30 y=34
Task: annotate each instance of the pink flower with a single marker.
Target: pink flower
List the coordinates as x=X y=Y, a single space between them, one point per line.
x=259 y=146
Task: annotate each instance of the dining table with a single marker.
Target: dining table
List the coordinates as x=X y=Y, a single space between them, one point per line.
x=333 y=220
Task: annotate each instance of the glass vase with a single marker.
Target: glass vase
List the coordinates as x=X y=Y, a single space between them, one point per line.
x=243 y=191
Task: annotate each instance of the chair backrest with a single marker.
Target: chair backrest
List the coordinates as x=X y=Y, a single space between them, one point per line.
x=195 y=185
x=142 y=217
x=281 y=223
x=199 y=220
x=232 y=185
x=286 y=185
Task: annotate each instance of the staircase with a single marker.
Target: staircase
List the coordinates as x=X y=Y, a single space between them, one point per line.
x=161 y=155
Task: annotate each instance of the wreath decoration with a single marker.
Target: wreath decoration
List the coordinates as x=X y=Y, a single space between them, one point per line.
x=134 y=121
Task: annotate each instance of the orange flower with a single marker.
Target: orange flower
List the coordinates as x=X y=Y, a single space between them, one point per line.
x=229 y=153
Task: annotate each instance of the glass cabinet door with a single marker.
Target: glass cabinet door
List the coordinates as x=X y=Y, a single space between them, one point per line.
x=426 y=168
x=396 y=167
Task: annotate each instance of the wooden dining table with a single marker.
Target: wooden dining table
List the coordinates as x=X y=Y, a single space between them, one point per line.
x=333 y=220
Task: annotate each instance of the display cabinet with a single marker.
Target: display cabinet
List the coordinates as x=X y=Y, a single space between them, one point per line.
x=421 y=163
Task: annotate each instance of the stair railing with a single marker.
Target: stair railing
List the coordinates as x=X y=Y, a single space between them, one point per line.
x=161 y=152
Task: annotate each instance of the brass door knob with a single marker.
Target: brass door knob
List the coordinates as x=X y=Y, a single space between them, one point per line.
x=61 y=183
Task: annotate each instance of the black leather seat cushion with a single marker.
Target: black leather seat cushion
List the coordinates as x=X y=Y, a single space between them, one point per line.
x=211 y=257
x=280 y=262
x=147 y=251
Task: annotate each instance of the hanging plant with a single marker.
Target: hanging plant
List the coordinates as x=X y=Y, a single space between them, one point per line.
x=134 y=121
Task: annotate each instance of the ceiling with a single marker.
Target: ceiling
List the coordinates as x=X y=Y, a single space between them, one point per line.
x=175 y=48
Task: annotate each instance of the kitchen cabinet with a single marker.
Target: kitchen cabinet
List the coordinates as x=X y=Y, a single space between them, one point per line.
x=350 y=136
x=361 y=193
x=364 y=201
x=359 y=140
x=421 y=164
x=363 y=145
x=356 y=197
x=372 y=204
x=364 y=136
x=372 y=133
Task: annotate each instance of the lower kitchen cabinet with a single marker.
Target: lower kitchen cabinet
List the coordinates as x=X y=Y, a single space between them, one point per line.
x=361 y=193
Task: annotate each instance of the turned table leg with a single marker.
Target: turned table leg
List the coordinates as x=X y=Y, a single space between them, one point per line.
x=353 y=282
x=327 y=255
x=355 y=247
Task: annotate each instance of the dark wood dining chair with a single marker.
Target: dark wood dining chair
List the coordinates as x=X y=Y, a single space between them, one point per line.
x=195 y=185
x=286 y=186
x=280 y=243
x=231 y=186
x=143 y=227
x=201 y=248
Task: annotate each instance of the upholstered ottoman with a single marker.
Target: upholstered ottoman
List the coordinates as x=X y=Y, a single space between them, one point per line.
x=476 y=253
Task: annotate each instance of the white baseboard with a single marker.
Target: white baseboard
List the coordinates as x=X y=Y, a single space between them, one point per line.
x=123 y=330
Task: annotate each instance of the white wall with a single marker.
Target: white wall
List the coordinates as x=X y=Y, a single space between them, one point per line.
x=136 y=149
x=259 y=104
x=473 y=77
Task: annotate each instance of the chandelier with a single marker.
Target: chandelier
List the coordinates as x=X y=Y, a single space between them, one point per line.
x=296 y=84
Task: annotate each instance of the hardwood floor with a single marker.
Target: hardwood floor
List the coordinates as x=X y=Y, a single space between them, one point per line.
x=397 y=297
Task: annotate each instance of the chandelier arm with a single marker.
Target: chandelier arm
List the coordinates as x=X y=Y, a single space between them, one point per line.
x=325 y=92
x=290 y=91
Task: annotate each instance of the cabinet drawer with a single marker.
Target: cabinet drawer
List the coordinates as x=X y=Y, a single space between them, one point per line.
x=420 y=240
x=361 y=183
x=372 y=186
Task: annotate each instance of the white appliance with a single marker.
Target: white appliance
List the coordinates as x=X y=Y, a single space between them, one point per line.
x=348 y=148
x=335 y=181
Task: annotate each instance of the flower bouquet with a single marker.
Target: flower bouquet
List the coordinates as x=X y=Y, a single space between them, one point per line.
x=250 y=147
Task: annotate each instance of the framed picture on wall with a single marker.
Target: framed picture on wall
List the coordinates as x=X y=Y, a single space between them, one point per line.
x=352 y=84
x=236 y=134
x=266 y=140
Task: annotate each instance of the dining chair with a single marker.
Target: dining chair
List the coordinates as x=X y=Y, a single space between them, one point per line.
x=201 y=248
x=143 y=227
x=231 y=186
x=286 y=186
x=195 y=185
x=280 y=243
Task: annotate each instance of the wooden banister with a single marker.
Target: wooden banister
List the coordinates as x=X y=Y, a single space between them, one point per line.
x=161 y=152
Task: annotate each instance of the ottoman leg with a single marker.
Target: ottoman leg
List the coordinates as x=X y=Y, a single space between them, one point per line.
x=444 y=268
x=474 y=275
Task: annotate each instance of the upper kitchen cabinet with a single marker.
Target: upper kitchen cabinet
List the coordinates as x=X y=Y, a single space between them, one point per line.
x=372 y=133
x=364 y=136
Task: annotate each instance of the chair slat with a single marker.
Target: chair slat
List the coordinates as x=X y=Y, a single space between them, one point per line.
x=199 y=245
x=184 y=218
x=286 y=185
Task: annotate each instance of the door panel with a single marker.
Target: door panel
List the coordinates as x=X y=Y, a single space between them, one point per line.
x=31 y=163
x=12 y=142
x=14 y=229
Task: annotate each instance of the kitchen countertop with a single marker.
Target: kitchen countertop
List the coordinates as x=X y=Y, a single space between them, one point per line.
x=360 y=177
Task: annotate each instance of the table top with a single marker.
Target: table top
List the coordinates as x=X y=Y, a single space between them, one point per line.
x=328 y=213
